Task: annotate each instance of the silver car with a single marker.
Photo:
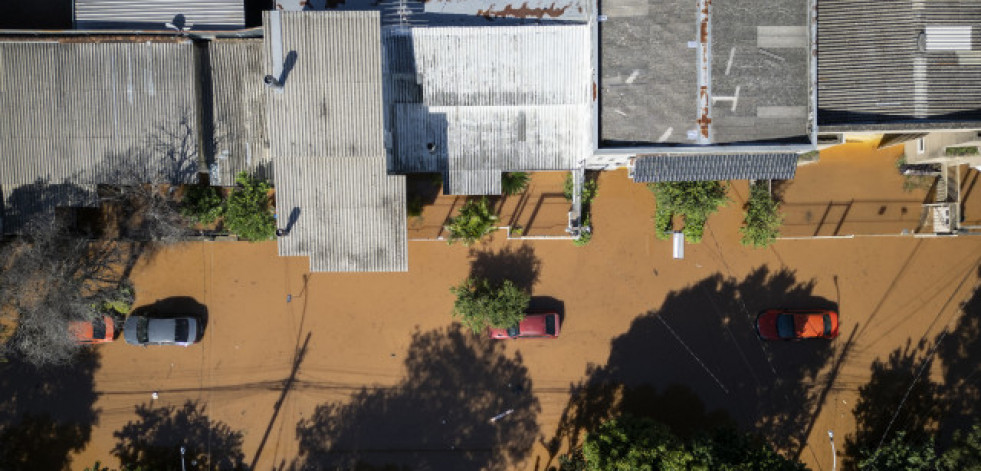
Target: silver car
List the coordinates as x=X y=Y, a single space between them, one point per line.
x=142 y=330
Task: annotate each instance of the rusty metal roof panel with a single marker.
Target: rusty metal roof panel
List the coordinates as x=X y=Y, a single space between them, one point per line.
x=880 y=66
x=346 y=213
x=331 y=102
x=201 y=15
x=239 y=111
x=87 y=112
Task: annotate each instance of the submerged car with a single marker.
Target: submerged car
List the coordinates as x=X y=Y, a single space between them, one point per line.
x=534 y=325
x=98 y=330
x=142 y=330
x=797 y=324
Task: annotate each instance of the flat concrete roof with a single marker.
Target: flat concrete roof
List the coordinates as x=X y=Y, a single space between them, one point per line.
x=743 y=77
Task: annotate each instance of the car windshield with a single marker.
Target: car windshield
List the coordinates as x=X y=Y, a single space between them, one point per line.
x=785 y=326
x=827 y=324
x=550 y=325
x=142 y=332
x=181 y=331
x=513 y=331
x=98 y=328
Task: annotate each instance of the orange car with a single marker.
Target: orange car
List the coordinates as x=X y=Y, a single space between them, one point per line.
x=99 y=330
x=796 y=324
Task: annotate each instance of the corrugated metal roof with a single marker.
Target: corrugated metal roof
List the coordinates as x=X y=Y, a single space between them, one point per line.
x=349 y=213
x=331 y=104
x=700 y=167
x=488 y=100
x=239 y=104
x=326 y=141
x=23 y=203
x=83 y=112
x=502 y=65
x=872 y=72
x=153 y=14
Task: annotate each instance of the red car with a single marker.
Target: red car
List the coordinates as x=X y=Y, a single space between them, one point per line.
x=535 y=325
x=99 y=330
x=796 y=324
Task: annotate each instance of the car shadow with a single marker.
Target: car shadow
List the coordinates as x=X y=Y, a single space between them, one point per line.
x=177 y=306
x=549 y=304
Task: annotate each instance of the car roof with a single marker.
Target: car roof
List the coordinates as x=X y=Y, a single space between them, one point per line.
x=534 y=323
x=810 y=324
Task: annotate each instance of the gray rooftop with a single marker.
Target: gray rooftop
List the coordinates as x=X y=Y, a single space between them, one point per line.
x=756 y=72
x=706 y=167
x=326 y=141
x=81 y=114
x=239 y=110
x=874 y=75
x=154 y=14
x=84 y=110
x=473 y=102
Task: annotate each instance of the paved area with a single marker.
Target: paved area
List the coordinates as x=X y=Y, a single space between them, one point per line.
x=330 y=370
x=854 y=189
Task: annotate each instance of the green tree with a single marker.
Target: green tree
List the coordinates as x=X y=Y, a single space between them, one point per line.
x=694 y=201
x=202 y=203
x=479 y=304
x=513 y=183
x=631 y=443
x=763 y=219
x=634 y=444
x=727 y=449
x=900 y=454
x=248 y=214
x=965 y=452
x=475 y=220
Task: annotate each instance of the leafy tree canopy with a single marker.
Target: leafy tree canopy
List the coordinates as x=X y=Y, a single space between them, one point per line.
x=695 y=201
x=632 y=443
x=513 y=183
x=479 y=304
x=763 y=219
x=248 y=214
x=475 y=220
x=202 y=203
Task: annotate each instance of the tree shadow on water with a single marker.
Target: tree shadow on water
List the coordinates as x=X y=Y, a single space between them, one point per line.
x=696 y=363
x=441 y=416
x=521 y=266
x=155 y=439
x=46 y=414
x=878 y=416
x=960 y=355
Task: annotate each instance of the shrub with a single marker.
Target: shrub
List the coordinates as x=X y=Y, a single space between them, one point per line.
x=962 y=150
x=203 y=204
x=585 y=233
x=513 y=183
x=694 y=201
x=663 y=224
x=589 y=187
x=480 y=305
x=763 y=219
x=248 y=214
x=473 y=222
